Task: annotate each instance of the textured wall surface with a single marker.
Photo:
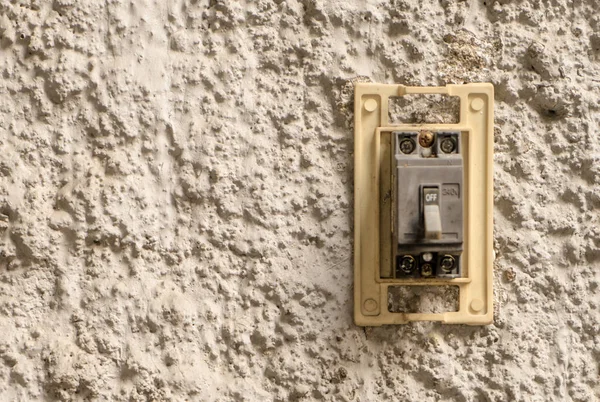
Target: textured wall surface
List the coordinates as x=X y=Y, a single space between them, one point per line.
x=176 y=199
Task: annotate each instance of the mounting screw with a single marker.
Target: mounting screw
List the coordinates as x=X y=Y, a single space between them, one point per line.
x=426 y=270
x=448 y=145
x=407 y=146
x=447 y=263
x=426 y=139
x=407 y=264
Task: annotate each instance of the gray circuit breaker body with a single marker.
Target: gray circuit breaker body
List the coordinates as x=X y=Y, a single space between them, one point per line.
x=428 y=198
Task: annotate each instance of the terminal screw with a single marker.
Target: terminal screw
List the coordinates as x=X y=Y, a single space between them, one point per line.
x=448 y=145
x=447 y=263
x=426 y=270
x=407 y=146
x=426 y=139
x=407 y=264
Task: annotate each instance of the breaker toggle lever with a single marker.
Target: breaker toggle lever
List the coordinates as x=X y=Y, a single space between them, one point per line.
x=431 y=213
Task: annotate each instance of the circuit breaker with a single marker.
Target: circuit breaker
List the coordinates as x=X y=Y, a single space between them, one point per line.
x=423 y=205
x=427 y=199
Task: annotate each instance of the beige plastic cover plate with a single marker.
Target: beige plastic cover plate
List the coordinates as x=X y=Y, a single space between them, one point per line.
x=374 y=255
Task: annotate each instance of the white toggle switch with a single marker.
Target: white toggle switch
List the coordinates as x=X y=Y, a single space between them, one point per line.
x=431 y=213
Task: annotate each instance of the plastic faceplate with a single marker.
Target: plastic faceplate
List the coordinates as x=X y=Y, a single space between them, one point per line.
x=373 y=209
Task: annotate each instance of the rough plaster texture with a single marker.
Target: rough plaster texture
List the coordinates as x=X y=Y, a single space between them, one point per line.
x=176 y=199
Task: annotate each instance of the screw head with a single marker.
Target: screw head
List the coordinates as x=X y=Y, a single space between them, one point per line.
x=407 y=264
x=448 y=145
x=426 y=270
x=407 y=146
x=426 y=139
x=447 y=263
